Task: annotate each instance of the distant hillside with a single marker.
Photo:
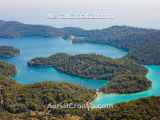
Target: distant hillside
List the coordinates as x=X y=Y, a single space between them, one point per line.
x=143 y=44
x=14 y=29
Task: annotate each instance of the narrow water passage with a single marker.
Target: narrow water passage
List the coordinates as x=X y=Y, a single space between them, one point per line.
x=111 y=99
x=39 y=47
x=36 y=47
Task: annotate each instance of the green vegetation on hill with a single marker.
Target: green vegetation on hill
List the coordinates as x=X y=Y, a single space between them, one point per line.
x=25 y=102
x=7 y=69
x=13 y=29
x=36 y=97
x=8 y=51
x=22 y=102
x=17 y=98
x=143 y=44
x=143 y=109
x=124 y=75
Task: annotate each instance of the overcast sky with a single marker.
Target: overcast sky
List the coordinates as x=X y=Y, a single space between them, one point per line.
x=141 y=13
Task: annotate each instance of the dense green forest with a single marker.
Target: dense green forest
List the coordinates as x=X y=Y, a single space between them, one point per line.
x=19 y=102
x=8 y=51
x=17 y=98
x=7 y=69
x=143 y=45
x=124 y=75
x=143 y=109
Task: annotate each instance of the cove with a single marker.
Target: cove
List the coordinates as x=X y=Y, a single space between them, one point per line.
x=42 y=47
x=110 y=99
x=34 y=47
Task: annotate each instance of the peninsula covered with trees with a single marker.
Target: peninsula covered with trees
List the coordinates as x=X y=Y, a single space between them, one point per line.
x=124 y=75
x=8 y=51
x=30 y=101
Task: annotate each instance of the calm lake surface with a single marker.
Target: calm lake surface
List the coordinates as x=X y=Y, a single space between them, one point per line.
x=41 y=47
x=36 y=47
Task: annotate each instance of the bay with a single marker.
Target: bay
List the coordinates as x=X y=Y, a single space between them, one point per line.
x=43 y=47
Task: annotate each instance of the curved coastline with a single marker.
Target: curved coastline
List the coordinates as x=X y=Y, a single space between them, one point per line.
x=102 y=99
x=112 y=99
x=124 y=75
x=48 y=46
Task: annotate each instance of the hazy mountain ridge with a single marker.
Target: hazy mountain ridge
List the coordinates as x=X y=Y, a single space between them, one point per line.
x=143 y=44
x=14 y=29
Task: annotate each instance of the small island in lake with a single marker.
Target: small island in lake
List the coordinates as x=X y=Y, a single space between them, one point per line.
x=124 y=74
x=8 y=51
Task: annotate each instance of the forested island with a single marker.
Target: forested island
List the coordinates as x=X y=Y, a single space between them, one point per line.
x=8 y=51
x=124 y=75
x=142 y=44
x=30 y=102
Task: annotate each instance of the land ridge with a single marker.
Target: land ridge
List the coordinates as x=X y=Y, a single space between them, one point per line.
x=142 y=44
x=124 y=75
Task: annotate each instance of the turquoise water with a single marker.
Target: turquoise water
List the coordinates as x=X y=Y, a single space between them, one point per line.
x=35 y=47
x=110 y=99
